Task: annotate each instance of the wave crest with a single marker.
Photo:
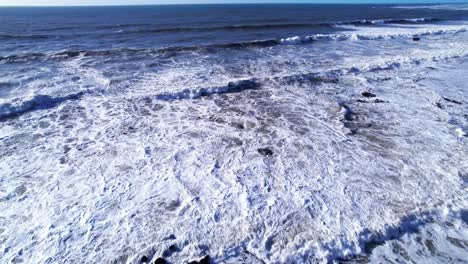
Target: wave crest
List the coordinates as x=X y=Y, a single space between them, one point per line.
x=37 y=102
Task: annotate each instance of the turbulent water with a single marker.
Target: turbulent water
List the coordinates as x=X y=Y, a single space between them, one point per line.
x=246 y=133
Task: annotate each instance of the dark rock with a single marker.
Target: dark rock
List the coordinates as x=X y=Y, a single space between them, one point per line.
x=170 y=237
x=438 y=104
x=368 y=94
x=144 y=259
x=193 y=262
x=452 y=101
x=416 y=39
x=265 y=152
x=160 y=261
x=205 y=260
x=174 y=248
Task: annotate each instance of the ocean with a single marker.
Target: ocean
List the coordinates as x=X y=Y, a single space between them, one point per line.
x=257 y=133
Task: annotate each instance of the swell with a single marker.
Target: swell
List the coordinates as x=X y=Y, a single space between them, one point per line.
x=89 y=53
x=245 y=27
x=289 y=25
x=13 y=37
x=234 y=45
x=229 y=28
x=285 y=25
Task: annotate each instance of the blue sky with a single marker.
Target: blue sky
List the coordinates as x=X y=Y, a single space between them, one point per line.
x=139 y=2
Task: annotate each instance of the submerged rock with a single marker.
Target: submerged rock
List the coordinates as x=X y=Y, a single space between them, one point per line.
x=265 y=152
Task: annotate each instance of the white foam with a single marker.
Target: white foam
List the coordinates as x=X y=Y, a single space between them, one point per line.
x=436 y=7
x=460 y=132
x=381 y=33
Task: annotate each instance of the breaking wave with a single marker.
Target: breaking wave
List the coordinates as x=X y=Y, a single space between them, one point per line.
x=329 y=76
x=37 y=102
x=391 y=21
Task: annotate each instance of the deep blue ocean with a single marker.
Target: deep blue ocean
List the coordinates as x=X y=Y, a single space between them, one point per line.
x=257 y=133
x=75 y=29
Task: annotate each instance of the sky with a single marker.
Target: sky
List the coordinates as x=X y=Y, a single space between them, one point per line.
x=144 y=2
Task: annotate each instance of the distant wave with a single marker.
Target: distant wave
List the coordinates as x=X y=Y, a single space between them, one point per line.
x=391 y=21
x=230 y=27
x=245 y=27
x=88 y=53
x=8 y=37
x=287 y=25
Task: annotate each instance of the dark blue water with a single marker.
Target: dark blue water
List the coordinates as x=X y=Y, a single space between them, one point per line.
x=27 y=30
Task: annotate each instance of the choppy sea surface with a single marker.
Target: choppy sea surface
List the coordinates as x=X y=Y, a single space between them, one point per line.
x=246 y=133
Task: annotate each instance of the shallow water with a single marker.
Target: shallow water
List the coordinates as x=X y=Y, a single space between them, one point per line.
x=326 y=135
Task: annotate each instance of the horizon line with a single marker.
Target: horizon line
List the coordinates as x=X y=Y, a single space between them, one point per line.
x=246 y=3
